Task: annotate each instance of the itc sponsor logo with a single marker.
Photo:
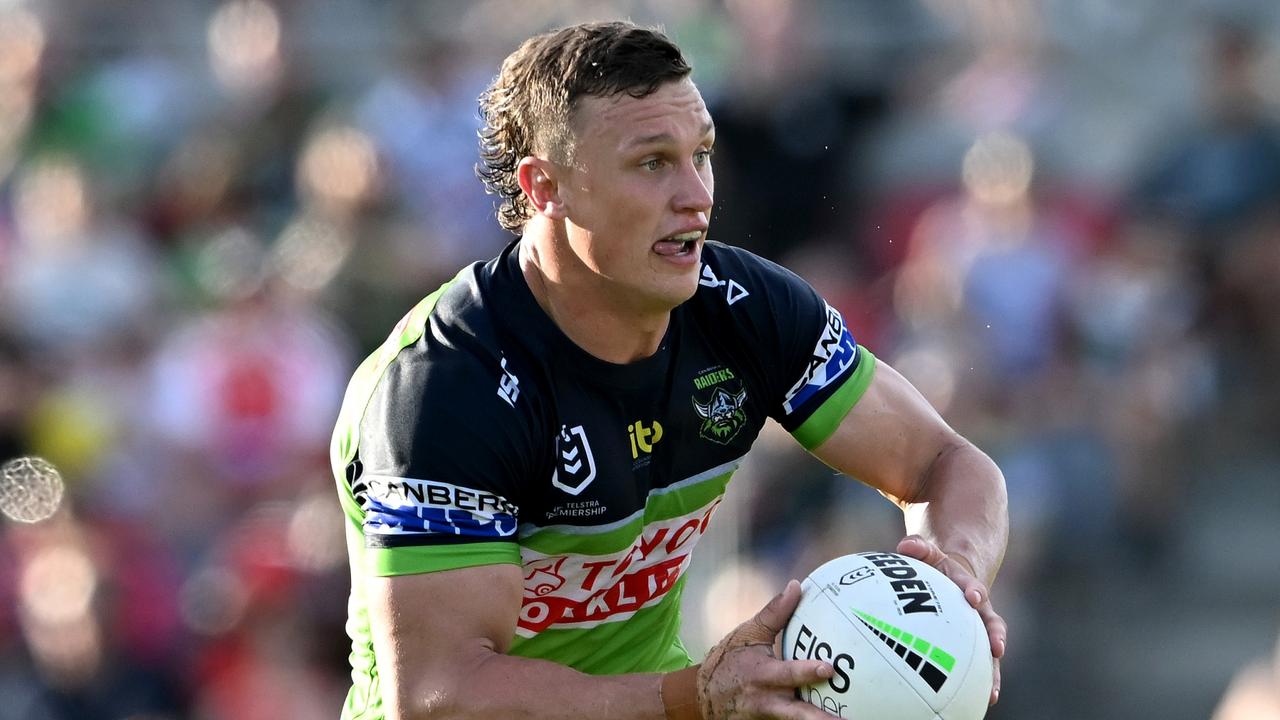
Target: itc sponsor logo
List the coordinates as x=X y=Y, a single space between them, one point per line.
x=643 y=437
x=587 y=590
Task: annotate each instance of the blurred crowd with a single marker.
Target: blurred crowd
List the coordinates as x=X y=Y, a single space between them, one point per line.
x=1060 y=220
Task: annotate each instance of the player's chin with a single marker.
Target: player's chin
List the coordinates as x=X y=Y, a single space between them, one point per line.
x=673 y=291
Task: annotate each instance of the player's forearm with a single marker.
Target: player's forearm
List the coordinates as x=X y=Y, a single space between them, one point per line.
x=962 y=507
x=493 y=685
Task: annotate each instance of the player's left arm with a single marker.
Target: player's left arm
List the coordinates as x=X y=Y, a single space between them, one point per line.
x=951 y=493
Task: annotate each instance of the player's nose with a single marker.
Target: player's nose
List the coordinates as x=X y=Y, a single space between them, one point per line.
x=694 y=192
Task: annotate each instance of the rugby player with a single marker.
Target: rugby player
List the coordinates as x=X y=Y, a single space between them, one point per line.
x=528 y=461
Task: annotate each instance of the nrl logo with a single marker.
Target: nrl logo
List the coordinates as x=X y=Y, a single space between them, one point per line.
x=575 y=466
x=722 y=414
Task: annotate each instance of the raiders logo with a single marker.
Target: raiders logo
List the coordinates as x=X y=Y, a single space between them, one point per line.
x=720 y=406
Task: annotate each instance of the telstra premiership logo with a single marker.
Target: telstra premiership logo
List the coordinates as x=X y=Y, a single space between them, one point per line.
x=643 y=438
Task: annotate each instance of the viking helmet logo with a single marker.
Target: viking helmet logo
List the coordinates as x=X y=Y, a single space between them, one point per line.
x=723 y=416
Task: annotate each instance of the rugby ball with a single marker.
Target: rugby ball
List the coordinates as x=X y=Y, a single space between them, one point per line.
x=904 y=642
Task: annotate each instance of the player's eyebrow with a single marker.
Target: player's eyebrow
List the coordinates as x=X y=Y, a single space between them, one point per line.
x=664 y=137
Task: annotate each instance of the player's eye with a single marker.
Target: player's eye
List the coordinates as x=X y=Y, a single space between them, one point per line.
x=652 y=164
x=703 y=156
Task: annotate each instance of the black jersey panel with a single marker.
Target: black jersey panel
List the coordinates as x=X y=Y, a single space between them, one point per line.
x=799 y=345
x=445 y=441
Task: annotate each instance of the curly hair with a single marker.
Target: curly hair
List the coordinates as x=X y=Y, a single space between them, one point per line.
x=528 y=107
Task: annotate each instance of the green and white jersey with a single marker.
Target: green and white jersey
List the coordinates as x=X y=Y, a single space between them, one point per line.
x=479 y=433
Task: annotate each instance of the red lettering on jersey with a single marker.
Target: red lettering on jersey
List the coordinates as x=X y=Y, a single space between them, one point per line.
x=593 y=569
x=682 y=535
x=629 y=594
x=648 y=571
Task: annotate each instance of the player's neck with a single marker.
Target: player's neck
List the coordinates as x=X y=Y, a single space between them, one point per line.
x=586 y=309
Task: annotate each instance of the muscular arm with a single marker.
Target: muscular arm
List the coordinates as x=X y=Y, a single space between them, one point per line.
x=440 y=639
x=950 y=492
x=952 y=495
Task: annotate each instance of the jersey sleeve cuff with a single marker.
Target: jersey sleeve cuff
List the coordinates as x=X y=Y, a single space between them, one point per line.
x=413 y=560
x=823 y=422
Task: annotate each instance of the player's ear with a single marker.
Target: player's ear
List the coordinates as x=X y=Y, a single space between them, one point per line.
x=538 y=179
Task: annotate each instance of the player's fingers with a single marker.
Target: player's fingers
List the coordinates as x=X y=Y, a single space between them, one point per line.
x=997 y=629
x=785 y=706
x=921 y=549
x=975 y=591
x=795 y=673
x=772 y=617
x=995 y=681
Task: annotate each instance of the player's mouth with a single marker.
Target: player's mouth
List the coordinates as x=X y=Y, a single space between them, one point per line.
x=680 y=248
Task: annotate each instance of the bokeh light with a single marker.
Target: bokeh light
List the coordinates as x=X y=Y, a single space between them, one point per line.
x=15 y=117
x=200 y=171
x=230 y=265
x=31 y=489
x=310 y=252
x=998 y=168
x=58 y=585
x=213 y=600
x=315 y=534
x=22 y=42
x=933 y=373
x=244 y=45
x=51 y=202
x=338 y=167
x=740 y=589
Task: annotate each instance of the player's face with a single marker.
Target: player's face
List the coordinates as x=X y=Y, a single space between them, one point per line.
x=638 y=197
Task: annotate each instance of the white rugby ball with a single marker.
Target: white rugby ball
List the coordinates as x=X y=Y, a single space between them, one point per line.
x=904 y=642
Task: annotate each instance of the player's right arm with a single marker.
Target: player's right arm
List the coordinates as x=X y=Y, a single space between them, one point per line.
x=441 y=639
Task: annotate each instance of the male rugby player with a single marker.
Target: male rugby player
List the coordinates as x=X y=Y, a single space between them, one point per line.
x=529 y=460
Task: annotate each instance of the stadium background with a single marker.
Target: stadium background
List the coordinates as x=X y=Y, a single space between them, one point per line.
x=1060 y=219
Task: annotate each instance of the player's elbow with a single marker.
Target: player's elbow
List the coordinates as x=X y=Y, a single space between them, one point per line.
x=954 y=462
x=431 y=698
x=444 y=691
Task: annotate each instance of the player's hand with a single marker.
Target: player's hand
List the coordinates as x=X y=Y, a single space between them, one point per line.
x=742 y=677
x=974 y=591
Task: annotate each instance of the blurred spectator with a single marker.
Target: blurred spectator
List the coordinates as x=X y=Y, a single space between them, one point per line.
x=423 y=117
x=73 y=580
x=80 y=274
x=1219 y=172
x=241 y=400
x=784 y=127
